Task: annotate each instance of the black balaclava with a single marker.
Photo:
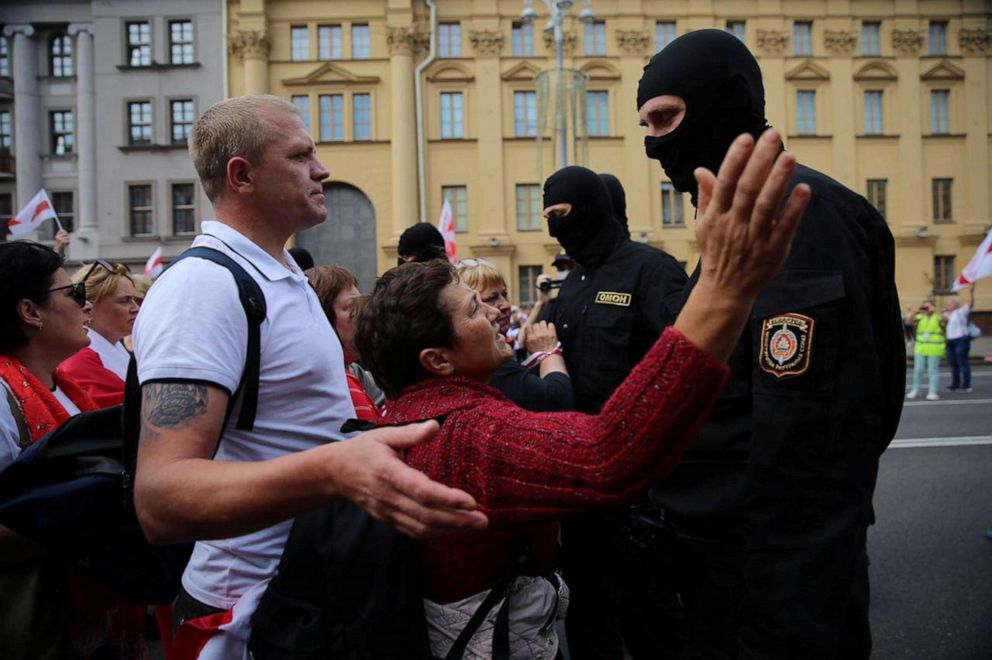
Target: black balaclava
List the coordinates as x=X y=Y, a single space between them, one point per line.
x=422 y=241
x=589 y=232
x=618 y=199
x=720 y=82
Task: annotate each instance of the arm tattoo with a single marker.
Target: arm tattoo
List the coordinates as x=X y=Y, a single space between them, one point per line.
x=172 y=405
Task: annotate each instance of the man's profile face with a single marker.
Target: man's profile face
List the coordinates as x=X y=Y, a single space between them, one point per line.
x=662 y=114
x=289 y=177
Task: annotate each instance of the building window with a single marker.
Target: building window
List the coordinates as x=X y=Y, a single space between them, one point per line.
x=937 y=41
x=329 y=42
x=529 y=207
x=140 y=209
x=598 y=113
x=331 y=117
x=449 y=40
x=806 y=112
x=359 y=42
x=525 y=114
x=181 y=42
x=527 y=276
x=876 y=194
x=361 y=116
x=671 y=206
x=182 y=120
x=6 y=132
x=302 y=104
x=871 y=43
x=943 y=272
x=736 y=28
x=61 y=56
x=299 y=39
x=139 y=123
x=64 y=206
x=802 y=38
x=939 y=124
x=522 y=40
x=452 y=126
x=4 y=58
x=139 y=43
x=457 y=196
x=664 y=34
x=6 y=213
x=595 y=38
x=873 y=112
x=183 y=208
x=941 y=189
x=60 y=122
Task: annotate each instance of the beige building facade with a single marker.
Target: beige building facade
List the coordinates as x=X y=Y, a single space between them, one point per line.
x=891 y=98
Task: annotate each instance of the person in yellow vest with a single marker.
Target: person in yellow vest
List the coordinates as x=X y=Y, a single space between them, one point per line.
x=930 y=347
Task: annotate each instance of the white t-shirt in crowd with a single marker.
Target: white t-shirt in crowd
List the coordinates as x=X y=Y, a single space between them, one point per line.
x=10 y=437
x=192 y=326
x=957 y=322
x=114 y=357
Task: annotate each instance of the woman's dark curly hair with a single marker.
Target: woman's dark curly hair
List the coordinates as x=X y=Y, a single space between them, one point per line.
x=403 y=316
x=27 y=270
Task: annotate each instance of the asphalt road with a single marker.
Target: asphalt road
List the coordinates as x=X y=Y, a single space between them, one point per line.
x=931 y=565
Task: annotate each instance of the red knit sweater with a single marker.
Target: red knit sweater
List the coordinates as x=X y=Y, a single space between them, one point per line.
x=527 y=470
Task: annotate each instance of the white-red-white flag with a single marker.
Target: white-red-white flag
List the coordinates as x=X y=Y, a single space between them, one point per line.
x=154 y=265
x=980 y=265
x=32 y=215
x=447 y=227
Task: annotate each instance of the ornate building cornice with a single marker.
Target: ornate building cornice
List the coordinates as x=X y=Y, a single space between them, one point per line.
x=568 y=42
x=840 y=42
x=907 y=42
x=633 y=42
x=250 y=43
x=772 y=42
x=974 y=41
x=486 y=42
x=401 y=40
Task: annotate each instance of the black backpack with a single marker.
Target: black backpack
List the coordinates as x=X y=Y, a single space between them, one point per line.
x=72 y=491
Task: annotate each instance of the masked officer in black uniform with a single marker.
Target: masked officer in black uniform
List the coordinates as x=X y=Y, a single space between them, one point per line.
x=765 y=518
x=609 y=312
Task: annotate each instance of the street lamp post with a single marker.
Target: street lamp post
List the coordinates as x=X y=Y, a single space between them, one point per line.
x=558 y=10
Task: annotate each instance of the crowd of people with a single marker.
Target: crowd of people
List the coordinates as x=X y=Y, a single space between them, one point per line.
x=667 y=466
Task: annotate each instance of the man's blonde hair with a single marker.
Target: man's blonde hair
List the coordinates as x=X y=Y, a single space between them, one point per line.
x=230 y=128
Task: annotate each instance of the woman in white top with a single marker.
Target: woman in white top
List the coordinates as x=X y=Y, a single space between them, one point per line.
x=959 y=341
x=101 y=368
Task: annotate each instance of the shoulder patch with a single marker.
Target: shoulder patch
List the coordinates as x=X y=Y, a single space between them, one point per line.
x=613 y=298
x=786 y=344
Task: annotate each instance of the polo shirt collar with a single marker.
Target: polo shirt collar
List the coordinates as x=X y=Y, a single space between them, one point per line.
x=270 y=269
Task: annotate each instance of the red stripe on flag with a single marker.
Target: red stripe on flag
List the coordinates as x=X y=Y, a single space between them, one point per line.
x=41 y=208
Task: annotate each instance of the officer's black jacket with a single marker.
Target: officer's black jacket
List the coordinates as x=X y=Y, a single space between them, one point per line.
x=788 y=461
x=603 y=341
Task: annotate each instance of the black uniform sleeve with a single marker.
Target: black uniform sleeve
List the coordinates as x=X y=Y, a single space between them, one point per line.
x=666 y=283
x=528 y=390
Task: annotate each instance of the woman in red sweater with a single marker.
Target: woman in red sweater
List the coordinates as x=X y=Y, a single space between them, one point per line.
x=432 y=344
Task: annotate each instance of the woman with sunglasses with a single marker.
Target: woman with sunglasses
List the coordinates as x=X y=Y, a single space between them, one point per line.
x=41 y=324
x=101 y=368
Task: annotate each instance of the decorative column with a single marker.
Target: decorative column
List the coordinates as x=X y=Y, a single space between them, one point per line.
x=976 y=44
x=840 y=44
x=487 y=105
x=403 y=138
x=253 y=46
x=913 y=213
x=29 y=122
x=86 y=238
x=640 y=175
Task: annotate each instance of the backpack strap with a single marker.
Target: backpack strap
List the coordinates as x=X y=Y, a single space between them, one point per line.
x=23 y=434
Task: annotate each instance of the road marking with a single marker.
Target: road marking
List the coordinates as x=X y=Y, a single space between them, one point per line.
x=948 y=402
x=959 y=441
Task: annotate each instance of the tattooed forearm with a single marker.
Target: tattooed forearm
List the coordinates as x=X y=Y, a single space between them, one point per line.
x=172 y=405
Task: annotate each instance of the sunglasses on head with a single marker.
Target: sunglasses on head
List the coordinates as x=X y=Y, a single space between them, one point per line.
x=106 y=265
x=77 y=292
x=469 y=262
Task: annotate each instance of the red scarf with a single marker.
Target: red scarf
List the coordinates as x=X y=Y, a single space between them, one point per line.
x=42 y=412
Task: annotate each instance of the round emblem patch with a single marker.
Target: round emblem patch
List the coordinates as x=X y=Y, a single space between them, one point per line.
x=786 y=342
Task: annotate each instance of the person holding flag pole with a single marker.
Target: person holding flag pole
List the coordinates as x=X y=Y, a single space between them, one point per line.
x=33 y=215
x=960 y=331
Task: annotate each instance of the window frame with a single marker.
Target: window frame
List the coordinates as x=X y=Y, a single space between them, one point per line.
x=659 y=35
x=871 y=47
x=730 y=26
x=366 y=41
x=522 y=39
x=67 y=220
x=529 y=121
x=57 y=62
x=449 y=39
x=527 y=286
x=535 y=200
x=331 y=116
x=802 y=38
x=4 y=57
x=460 y=204
x=605 y=120
x=182 y=43
x=334 y=45
x=8 y=135
x=354 y=117
x=937 y=47
x=876 y=192
x=53 y=135
x=942 y=199
x=674 y=202
x=940 y=122
x=594 y=39
x=299 y=49
x=172 y=119
x=150 y=209
x=457 y=125
x=801 y=126
x=130 y=125
x=191 y=207
x=944 y=272
x=874 y=113
x=131 y=46
x=302 y=103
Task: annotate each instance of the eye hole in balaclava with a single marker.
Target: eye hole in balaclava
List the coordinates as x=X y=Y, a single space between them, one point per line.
x=720 y=82
x=587 y=233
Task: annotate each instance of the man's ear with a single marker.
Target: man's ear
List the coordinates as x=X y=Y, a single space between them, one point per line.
x=28 y=313
x=436 y=361
x=240 y=174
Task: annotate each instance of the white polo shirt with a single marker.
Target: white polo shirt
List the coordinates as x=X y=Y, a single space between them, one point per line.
x=192 y=326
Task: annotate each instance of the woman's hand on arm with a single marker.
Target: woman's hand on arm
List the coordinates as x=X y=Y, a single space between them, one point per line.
x=744 y=233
